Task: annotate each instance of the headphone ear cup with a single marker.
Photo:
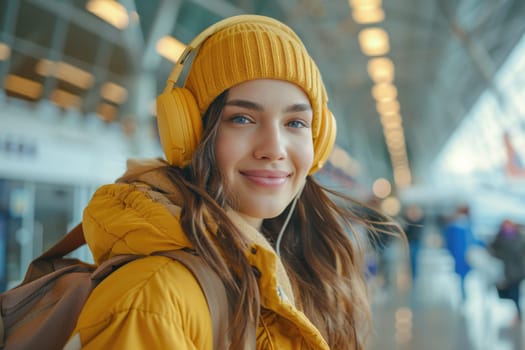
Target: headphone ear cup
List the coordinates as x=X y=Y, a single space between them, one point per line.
x=325 y=141
x=180 y=125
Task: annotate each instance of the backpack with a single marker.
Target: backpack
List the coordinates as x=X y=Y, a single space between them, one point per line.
x=42 y=311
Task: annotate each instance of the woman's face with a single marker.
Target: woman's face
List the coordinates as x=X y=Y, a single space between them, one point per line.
x=264 y=146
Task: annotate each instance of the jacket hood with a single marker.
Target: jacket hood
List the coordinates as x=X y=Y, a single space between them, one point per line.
x=132 y=219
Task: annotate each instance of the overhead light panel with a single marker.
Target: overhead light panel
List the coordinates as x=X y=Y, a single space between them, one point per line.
x=381 y=188
x=107 y=112
x=65 y=99
x=391 y=206
x=367 y=11
x=367 y=15
x=388 y=107
x=395 y=135
x=384 y=91
x=364 y=3
x=381 y=69
x=114 y=92
x=396 y=148
x=398 y=154
x=391 y=121
x=110 y=11
x=23 y=86
x=402 y=176
x=65 y=72
x=5 y=51
x=391 y=125
x=391 y=118
x=170 y=48
x=374 y=41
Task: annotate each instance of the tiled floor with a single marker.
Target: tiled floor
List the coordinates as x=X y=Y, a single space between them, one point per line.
x=429 y=314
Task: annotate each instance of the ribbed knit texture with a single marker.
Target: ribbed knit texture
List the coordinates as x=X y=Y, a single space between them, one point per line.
x=262 y=49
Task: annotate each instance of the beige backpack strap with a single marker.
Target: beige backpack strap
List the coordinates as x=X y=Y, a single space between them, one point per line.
x=44 y=263
x=213 y=289
x=71 y=241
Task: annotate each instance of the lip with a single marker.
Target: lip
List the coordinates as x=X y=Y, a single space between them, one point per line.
x=268 y=178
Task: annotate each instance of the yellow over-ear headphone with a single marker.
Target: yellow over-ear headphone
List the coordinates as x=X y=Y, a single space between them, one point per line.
x=180 y=121
x=325 y=141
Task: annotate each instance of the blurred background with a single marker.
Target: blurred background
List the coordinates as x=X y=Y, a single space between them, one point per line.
x=429 y=97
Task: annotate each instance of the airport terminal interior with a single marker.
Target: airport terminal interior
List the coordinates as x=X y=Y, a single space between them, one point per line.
x=429 y=99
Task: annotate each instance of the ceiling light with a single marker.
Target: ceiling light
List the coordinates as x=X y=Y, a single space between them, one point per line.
x=399 y=158
x=65 y=99
x=397 y=150
x=107 y=112
x=373 y=41
x=391 y=206
x=45 y=67
x=402 y=176
x=381 y=69
x=391 y=119
x=364 y=3
x=394 y=135
x=113 y=92
x=170 y=48
x=397 y=147
x=74 y=75
x=381 y=188
x=395 y=144
x=388 y=107
x=367 y=15
x=5 y=51
x=65 y=72
x=23 y=86
x=384 y=91
x=110 y=11
x=389 y=125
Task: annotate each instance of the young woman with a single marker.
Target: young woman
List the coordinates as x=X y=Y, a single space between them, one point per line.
x=242 y=139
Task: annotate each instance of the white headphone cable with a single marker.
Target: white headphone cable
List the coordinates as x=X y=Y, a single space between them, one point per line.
x=288 y=217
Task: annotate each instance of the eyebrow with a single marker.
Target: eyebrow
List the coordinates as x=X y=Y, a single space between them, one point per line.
x=298 y=107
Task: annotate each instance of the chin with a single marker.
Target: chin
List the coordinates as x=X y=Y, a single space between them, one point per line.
x=264 y=207
x=263 y=214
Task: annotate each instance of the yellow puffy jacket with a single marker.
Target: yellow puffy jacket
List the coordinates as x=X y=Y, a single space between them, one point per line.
x=155 y=302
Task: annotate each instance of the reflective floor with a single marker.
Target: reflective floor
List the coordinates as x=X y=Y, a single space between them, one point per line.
x=430 y=314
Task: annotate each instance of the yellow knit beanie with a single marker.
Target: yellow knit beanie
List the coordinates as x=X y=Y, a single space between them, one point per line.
x=259 y=48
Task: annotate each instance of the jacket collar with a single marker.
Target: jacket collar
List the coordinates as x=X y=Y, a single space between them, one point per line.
x=262 y=256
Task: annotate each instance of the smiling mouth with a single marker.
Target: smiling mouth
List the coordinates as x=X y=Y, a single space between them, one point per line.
x=265 y=177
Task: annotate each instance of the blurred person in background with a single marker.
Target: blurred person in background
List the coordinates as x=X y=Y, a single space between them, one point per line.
x=509 y=247
x=413 y=221
x=458 y=238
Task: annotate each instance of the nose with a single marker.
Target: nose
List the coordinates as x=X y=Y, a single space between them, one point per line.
x=270 y=143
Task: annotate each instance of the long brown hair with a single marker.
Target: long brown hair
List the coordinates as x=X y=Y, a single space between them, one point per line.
x=320 y=249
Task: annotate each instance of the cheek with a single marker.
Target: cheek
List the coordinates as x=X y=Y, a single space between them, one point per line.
x=305 y=156
x=227 y=152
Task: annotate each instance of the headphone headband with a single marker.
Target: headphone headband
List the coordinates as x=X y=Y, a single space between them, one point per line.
x=201 y=38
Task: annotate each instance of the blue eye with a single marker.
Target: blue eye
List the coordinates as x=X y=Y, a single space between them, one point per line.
x=297 y=124
x=240 y=119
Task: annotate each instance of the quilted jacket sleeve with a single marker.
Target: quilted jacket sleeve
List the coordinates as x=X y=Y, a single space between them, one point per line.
x=152 y=303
